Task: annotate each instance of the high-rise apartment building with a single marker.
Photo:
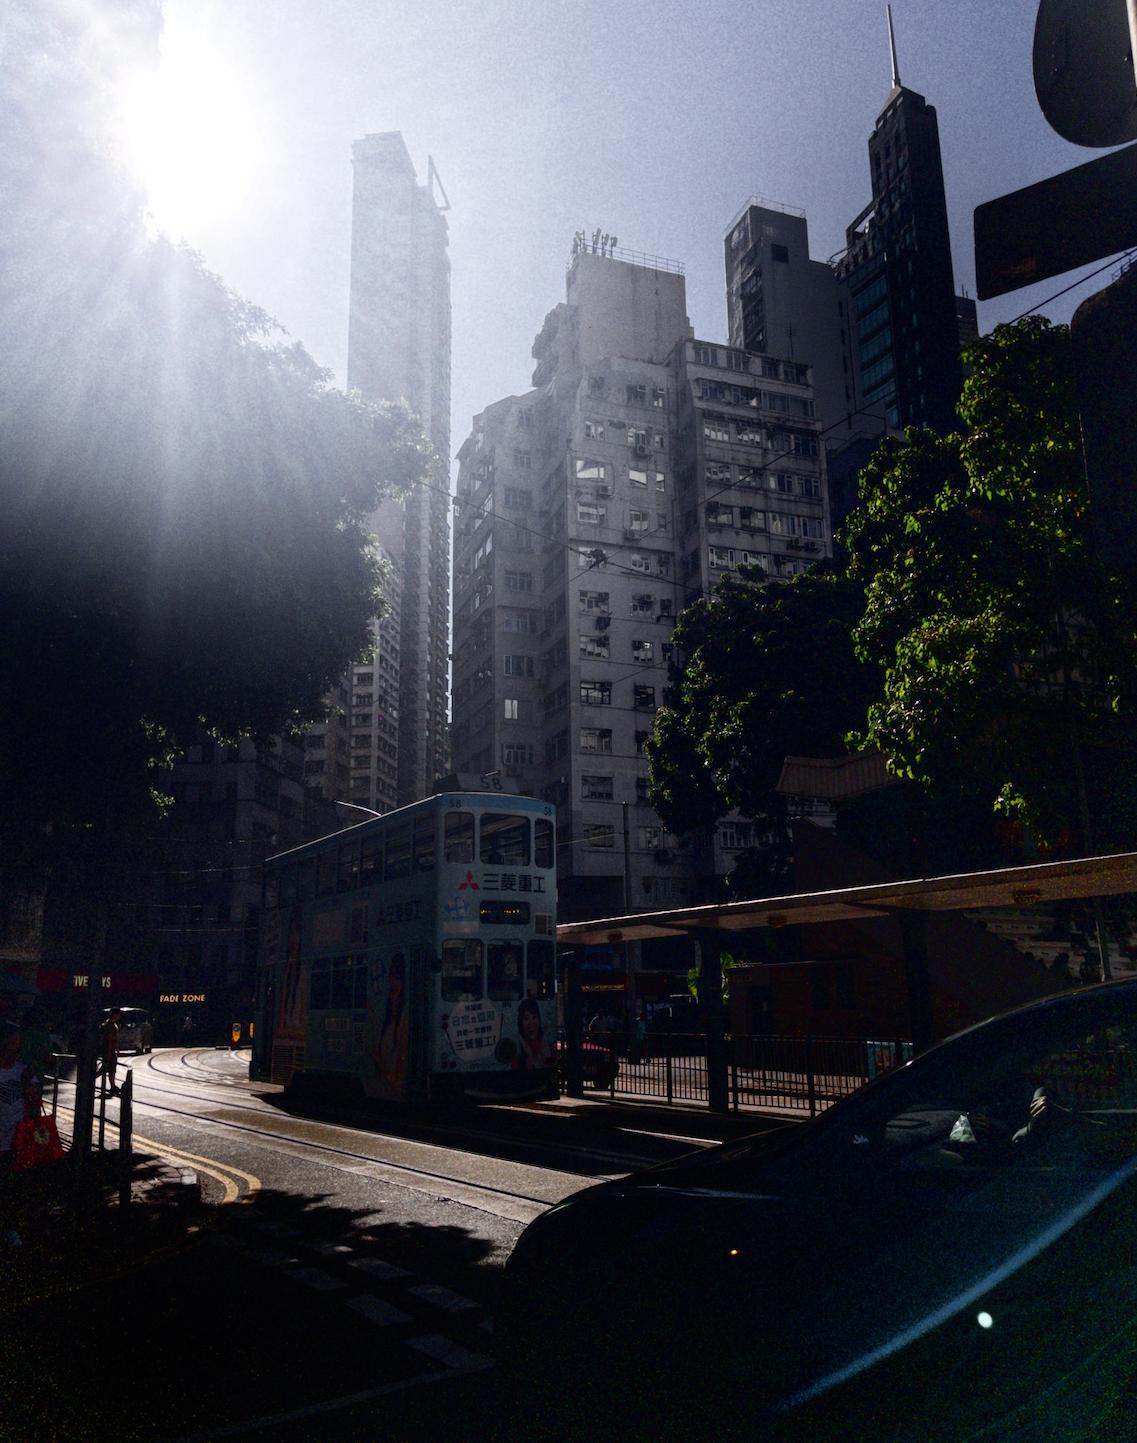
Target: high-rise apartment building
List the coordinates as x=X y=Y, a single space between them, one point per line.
x=389 y=733
x=898 y=273
x=641 y=466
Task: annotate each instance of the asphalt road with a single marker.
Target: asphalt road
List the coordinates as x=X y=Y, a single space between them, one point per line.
x=343 y=1280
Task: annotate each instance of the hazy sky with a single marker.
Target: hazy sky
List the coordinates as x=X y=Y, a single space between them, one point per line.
x=654 y=121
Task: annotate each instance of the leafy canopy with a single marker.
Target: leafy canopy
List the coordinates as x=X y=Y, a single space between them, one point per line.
x=1007 y=649
x=185 y=496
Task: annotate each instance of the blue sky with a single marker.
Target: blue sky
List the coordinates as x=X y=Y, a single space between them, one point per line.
x=654 y=121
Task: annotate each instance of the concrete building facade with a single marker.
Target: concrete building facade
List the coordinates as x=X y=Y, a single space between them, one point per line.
x=394 y=714
x=641 y=466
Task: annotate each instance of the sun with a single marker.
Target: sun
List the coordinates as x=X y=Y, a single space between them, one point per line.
x=189 y=134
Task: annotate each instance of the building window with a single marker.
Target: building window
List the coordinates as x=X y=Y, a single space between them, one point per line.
x=637 y=395
x=521 y=500
x=659 y=397
x=594 y=693
x=600 y=834
x=596 y=739
x=721 y=557
x=364 y=678
x=706 y=355
x=589 y=514
x=313 y=769
x=779 y=253
x=643 y=790
x=643 y=698
x=596 y=789
x=523 y=460
x=596 y=385
x=594 y=430
x=810 y=486
x=736 y=361
x=643 y=652
x=517 y=754
x=782 y=481
x=596 y=645
x=716 y=430
x=556 y=747
x=751 y=519
x=556 y=700
x=591 y=470
x=642 y=604
x=637 y=477
x=522 y=623
x=639 y=560
x=667 y=652
x=734 y=836
x=639 y=521
x=718 y=515
x=594 y=601
x=517 y=665
x=512 y=708
x=641 y=737
x=652 y=838
x=519 y=581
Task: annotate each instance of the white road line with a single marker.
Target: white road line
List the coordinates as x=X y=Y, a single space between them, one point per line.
x=442 y=1297
x=316 y=1278
x=434 y=1345
x=378 y=1267
x=375 y=1310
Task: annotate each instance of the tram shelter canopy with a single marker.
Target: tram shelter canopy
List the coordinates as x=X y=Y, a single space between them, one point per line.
x=1006 y=887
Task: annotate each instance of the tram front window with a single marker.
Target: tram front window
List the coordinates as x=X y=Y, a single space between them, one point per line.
x=541 y=977
x=505 y=840
x=544 y=853
x=505 y=969
x=461 y=971
x=459 y=839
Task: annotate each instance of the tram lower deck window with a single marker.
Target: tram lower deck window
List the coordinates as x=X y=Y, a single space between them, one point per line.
x=505 y=840
x=338 y=982
x=505 y=967
x=541 y=976
x=461 y=971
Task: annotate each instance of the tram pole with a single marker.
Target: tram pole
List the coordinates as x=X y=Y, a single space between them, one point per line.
x=574 y=1026
x=710 y=996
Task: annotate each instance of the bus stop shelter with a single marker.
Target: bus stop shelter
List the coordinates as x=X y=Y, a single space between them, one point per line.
x=908 y=902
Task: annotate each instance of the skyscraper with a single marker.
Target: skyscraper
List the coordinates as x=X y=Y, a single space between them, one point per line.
x=399 y=348
x=897 y=269
x=642 y=466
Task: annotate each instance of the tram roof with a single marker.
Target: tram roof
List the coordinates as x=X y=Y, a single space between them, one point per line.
x=452 y=800
x=1006 y=887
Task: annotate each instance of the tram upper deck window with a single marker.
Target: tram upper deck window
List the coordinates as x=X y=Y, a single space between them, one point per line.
x=272 y=891
x=505 y=968
x=423 y=856
x=347 y=877
x=505 y=840
x=398 y=852
x=544 y=844
x=307 y=874
x=461 y=971
x=459 y=837
x=371 y=860
x=541 y=977
x=343 y=981
x=326 y=874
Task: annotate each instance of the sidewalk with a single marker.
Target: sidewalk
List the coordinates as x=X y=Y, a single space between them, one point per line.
x=59 y=1254
x=693 y=1120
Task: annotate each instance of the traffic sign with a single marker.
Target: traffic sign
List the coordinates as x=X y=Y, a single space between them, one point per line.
x=1083 y=69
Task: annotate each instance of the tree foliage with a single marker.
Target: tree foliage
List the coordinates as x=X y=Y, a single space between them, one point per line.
x=185 y=496
x=768 y=671
x=1007 y=649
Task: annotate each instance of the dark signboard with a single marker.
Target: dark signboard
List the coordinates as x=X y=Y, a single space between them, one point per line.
x=60 y=979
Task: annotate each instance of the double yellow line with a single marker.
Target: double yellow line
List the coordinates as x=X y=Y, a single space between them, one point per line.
x=225 y=1173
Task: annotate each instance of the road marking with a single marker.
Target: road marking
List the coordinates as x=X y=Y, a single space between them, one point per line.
x=349 y=1400
x=271 y=1257
x=317 y=1278
x=378 y=1267
x=442 y=1297
x=434 y=1345
x=385 y=1315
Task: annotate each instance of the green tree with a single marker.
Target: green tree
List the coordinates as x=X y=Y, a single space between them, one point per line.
x=768 y=670
x=1006 y=647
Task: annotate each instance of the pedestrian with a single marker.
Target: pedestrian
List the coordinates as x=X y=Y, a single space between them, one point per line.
x=17 y=1099
x=108 y=1034
x=37 y=1045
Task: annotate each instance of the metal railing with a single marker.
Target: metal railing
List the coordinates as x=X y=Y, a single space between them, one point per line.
x=779 y=1073
x=125 y=1122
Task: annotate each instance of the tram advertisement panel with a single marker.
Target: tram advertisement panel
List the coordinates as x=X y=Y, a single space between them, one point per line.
x=293 y=1018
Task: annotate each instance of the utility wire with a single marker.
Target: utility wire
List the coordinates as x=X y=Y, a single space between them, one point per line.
x=1073 y=285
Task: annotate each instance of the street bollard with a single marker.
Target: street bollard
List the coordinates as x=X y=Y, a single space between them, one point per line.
x=125 y=1138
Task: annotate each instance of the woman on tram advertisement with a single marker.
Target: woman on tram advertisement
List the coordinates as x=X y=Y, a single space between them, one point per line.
x=534 y=1050
x=393 y=1038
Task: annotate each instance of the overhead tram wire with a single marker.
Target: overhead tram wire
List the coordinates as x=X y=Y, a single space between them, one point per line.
x=1125 y=256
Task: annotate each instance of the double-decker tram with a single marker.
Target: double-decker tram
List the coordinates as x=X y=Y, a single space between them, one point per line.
x=413 y=957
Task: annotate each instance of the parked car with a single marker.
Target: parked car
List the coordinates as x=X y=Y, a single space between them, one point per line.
x=135 y=1030
x=948 y=1254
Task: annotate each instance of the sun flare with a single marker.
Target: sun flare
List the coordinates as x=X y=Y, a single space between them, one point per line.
x=189 y=134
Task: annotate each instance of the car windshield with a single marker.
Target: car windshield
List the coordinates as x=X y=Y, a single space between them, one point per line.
x=956 y=1171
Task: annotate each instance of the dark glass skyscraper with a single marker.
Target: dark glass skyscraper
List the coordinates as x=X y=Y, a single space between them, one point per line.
x=897 y=270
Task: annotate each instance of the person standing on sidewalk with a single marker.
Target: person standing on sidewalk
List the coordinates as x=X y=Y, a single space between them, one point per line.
x=109 y=1039
x=17 y=1098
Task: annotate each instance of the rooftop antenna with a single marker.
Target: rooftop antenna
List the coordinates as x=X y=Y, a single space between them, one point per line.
x=892 y=50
